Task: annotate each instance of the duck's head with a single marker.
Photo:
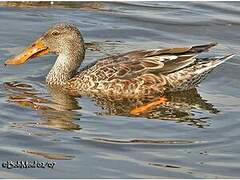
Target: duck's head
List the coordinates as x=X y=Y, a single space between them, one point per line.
x=63 y=39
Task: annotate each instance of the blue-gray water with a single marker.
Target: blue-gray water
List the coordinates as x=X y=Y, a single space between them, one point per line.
x=196 y=138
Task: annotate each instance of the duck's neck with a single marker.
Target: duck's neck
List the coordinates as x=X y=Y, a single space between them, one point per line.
x=65 y=67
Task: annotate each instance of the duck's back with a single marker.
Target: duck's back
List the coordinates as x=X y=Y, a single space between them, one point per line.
x=143 y=73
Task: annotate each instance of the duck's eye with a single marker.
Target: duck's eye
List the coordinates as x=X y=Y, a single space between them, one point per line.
x=55 y=33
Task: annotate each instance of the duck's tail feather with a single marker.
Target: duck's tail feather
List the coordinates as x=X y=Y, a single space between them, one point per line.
x=219 y=60
x=202 y=48
x=191 y=76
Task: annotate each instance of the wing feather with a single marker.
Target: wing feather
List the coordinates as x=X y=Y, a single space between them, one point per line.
x=157 y=62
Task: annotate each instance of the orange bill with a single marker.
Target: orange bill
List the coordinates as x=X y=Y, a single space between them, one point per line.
x=146 y=107
x=35 y=50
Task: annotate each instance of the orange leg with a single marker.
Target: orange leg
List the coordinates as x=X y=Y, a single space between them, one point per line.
x=146 y=107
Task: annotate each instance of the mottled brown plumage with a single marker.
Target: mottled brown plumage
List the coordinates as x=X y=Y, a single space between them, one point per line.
x=137 y=74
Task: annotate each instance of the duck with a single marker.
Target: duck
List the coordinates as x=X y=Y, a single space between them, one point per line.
x=133 y=75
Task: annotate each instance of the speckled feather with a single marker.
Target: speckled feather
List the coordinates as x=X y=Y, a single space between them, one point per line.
x=139 y=74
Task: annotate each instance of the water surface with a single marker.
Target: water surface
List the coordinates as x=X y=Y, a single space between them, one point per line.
x=195 y=136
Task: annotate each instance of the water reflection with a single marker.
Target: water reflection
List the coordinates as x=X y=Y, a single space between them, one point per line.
x=93 y=6
x=61 y=109
x=47 y=155
x=56 y=112
x=186 y=106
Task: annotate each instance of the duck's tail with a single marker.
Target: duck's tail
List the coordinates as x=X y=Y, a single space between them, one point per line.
x=219 y=60
x=203 y=66
x=191 y=76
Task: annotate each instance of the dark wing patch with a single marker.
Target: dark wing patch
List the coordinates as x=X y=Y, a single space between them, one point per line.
x=177 y=64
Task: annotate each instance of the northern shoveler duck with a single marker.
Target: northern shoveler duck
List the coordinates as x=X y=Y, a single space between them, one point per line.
x=136 y=74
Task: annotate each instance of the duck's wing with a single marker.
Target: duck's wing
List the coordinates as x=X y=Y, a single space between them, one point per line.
x=157 y=61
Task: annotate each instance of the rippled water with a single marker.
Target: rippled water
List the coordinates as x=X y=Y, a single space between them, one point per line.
x=195 y=135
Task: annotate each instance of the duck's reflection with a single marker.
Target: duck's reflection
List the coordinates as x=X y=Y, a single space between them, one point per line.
x=56 y=110
x=60 y=109
x=186 y=106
